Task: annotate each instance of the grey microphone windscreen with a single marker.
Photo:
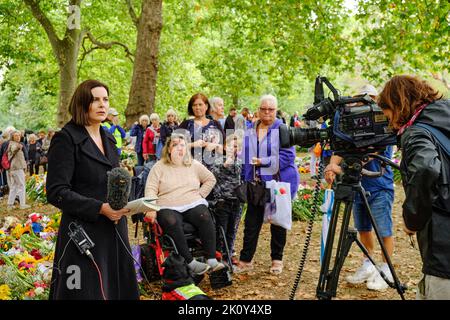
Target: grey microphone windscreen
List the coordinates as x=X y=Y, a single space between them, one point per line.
x=119 y=186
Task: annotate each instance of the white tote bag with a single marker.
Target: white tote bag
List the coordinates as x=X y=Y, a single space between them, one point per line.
x=279 y=210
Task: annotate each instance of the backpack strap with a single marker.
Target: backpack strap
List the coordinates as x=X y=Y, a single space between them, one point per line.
x=441 y=138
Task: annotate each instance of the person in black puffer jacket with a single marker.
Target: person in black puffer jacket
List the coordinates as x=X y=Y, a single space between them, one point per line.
x=410 y=103
x=227 y=171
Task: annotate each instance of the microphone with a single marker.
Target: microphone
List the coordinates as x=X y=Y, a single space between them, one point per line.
x=119 y=187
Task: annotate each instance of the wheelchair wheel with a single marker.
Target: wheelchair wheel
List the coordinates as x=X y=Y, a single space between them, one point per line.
x=149 y=264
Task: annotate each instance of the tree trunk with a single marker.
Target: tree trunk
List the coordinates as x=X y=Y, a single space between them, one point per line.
x=68 y=77
x=65 y=52
x=236 y=101
x=143 y=86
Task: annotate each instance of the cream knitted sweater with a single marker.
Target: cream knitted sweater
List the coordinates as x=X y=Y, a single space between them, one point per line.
x=15 y=153
x=179 y=185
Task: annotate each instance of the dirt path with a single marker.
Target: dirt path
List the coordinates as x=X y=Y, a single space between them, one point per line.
x=260 y=284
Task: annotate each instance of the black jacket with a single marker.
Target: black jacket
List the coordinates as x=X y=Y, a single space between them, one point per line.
x=426 y=175
x=166 y=131
x=77 y=184
x=229 y=125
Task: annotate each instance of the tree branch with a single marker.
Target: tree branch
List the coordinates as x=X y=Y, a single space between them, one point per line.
x=105 y=45
x=85 y=51
x=132 y=13
x=46 y=24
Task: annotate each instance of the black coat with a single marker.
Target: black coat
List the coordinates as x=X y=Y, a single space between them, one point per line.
x=166 y=131
x=77 y=184
x=426 y=178
x=229 y=125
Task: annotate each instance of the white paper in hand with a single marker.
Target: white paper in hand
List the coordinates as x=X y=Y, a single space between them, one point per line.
x=142 y=205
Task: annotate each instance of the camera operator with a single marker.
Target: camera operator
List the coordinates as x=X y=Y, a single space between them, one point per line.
x=409 y=102
x=380 y=201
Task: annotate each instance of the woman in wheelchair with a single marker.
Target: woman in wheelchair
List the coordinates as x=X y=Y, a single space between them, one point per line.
x=181 y=185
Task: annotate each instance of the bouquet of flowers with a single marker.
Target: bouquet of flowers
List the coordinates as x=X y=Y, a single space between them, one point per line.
x=303 y=164
x=26 y=257
x=128 y=159
x=302 y=205
x=35 y=188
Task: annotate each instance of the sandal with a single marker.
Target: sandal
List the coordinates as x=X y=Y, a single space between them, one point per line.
x=243 y=267
x=277 y=267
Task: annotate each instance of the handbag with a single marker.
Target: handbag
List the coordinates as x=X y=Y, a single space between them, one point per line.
x=6 y=162
x=278 y=210
x=253 y=192
x=241 y=192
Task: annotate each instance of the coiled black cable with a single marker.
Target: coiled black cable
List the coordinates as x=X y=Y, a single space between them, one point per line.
x=315 y=208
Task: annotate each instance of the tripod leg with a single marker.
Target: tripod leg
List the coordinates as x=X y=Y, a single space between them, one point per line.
x=346 y=239
x=227 y=249
x=400 y=288
x=366 y=253
x=328 y=280
x=324 y=269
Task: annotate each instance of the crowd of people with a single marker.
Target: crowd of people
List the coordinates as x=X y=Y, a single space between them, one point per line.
x=205 y=158
x=21 y=151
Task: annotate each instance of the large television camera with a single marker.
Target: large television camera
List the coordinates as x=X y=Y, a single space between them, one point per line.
x=357 y=124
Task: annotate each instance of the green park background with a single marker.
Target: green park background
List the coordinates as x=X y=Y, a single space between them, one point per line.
x=155 y=54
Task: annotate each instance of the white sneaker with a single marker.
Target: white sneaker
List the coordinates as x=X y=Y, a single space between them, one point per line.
x=377 y=283
x=25 y=206
x=363 y=274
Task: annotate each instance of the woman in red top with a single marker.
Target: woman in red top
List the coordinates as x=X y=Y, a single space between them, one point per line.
x=151 y=139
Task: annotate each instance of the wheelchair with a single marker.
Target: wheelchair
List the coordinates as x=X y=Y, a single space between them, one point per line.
x=158 y=246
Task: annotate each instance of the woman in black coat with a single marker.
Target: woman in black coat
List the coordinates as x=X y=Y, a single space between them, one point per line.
x=420 y=116
x=80 y=156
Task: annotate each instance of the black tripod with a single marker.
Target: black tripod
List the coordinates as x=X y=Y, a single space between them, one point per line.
x=345 y=193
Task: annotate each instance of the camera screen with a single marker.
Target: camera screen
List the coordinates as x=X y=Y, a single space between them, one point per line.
x=362 y=122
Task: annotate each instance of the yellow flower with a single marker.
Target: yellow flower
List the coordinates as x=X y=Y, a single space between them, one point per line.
x=5 y=292
x=25 y=256
x=50 y=257
x=49 y=229
x=18 y=231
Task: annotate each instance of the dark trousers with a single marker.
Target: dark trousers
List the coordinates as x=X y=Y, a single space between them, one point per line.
x=171 y=222
x=140 y=158
x=226 y=214
x=3 y=183
x=254 y=219
x=33 y=167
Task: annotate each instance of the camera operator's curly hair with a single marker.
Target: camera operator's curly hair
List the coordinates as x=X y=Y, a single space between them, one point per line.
x=403 y=95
